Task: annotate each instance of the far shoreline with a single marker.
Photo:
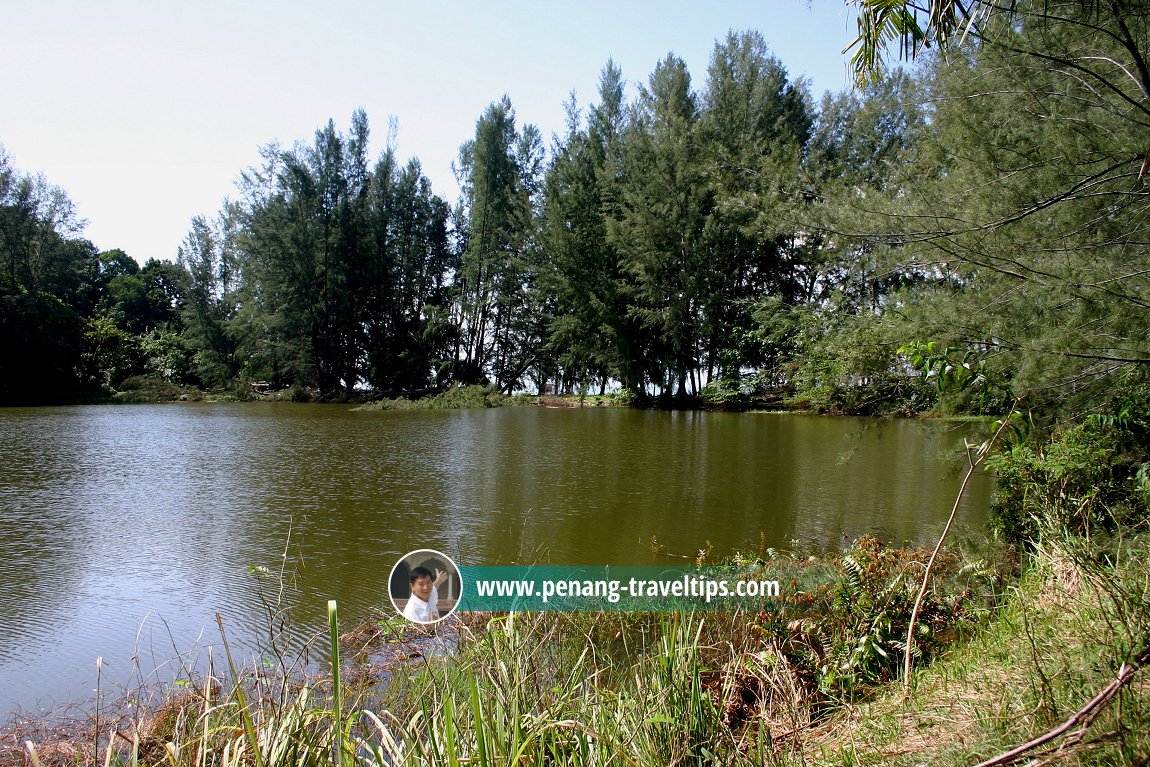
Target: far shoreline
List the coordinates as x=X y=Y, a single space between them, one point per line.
x=781 y=401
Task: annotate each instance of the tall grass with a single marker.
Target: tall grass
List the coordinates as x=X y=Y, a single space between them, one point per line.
x=521 y=695
x=527 y=689
x=562 y=688
x=1080 y=612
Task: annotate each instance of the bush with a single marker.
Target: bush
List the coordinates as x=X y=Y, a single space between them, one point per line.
x=724 y=393
x=299 y=393
x=137 y=389
x=855 y=370
x=1091 y=476
x=848 y=634
x=624 y=398
x=455 y=398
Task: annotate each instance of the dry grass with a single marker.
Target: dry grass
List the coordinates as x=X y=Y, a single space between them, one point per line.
x=1047 y=652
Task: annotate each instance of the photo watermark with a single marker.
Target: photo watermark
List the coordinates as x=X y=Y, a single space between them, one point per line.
x=425 y=586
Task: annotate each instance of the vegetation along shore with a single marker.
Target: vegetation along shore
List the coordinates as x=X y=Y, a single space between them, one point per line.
x=719 y=237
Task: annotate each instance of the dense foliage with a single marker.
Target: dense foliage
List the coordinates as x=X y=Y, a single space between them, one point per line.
x=725 y=243
x=74 y=319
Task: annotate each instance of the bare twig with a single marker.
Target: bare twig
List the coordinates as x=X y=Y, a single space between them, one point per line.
x=982 y=453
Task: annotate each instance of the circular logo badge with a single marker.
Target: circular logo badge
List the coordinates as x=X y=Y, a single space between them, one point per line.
x=425 y=586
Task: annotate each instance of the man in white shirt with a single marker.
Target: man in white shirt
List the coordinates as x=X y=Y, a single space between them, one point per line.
x=423 y=606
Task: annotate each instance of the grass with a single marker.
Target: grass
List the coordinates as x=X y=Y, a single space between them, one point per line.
x=557 y=688
x=487 y=396
x=807 y=683
x=140 y=389
x=1076 y=616
x=522 y=693
x=455 y=398
x=617 y=399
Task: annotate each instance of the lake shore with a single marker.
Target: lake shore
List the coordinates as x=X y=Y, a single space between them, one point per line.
x=811 y=680
x=1049 y=628
x=142 y=391
x=354 y=490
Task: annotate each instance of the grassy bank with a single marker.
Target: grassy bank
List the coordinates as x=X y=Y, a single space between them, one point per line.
x=455 y=398
x=1079 y=616
x=574 y=688
x=807 y=683
x=486 y=396
x=145 y=390
x=140 y=389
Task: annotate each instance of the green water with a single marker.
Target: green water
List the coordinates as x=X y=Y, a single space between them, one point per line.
x=123 y=530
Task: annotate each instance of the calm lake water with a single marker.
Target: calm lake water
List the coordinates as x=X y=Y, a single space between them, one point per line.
x=125 y=529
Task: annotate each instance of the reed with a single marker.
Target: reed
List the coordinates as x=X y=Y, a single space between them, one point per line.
x=336 y=684
x=561 y=688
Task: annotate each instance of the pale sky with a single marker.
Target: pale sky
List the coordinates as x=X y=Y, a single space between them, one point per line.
x=146 y=111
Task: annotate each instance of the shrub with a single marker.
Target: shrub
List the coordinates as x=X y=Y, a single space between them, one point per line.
x=848 y=634
x=455 y=398
x=137 y=389
x=1086 y=477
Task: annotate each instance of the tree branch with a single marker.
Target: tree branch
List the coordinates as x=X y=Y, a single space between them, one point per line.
x=1085 y=716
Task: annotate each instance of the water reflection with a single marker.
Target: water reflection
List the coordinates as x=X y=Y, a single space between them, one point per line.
x=123 y=530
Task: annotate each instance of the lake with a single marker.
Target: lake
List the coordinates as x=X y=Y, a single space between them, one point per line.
x=125 y=529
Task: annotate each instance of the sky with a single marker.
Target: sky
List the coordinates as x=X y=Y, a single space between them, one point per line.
x=146 y=112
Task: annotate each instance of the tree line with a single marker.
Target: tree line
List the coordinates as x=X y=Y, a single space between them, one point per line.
x=633 y=250
x=712 y=242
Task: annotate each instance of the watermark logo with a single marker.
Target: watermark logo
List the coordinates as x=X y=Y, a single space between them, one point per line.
x=425 y=586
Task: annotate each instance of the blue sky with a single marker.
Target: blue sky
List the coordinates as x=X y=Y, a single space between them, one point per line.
x=146 y=112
